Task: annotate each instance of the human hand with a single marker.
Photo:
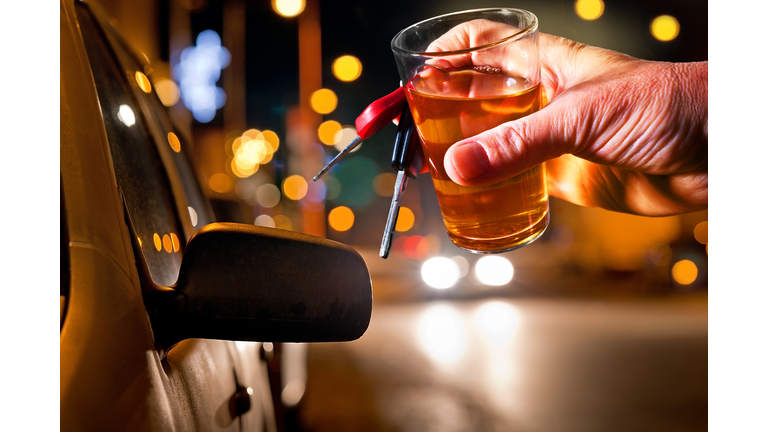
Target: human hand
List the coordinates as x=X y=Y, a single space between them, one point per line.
x=619 y=133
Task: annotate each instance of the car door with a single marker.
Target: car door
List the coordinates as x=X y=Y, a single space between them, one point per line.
x=132 y=202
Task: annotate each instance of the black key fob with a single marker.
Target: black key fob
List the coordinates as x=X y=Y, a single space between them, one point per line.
x=407 y=155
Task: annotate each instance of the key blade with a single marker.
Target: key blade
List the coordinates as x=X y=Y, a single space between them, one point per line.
x=394 y=210
x=355 y=142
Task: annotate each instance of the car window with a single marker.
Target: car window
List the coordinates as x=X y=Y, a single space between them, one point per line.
x=195 y=205
x=198 y=205
x=140 y=176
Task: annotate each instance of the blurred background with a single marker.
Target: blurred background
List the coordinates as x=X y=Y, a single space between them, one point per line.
x=601 y=324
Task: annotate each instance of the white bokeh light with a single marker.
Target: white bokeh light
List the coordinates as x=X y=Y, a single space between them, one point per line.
x=344 y=137
x=440 y=272
x=192 y=216
x=494 y=270
x=125 y=114
x=265 y=221
x=442 y=333
x=497 y=321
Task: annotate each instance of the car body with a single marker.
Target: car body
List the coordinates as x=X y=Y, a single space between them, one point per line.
x=165 y=313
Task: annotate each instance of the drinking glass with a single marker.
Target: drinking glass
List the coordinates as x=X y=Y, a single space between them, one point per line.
x=465 y=73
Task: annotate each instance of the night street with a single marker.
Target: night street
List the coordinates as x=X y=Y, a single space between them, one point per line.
x=543 y=365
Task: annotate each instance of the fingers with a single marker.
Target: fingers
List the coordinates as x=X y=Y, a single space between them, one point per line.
x=511 y=148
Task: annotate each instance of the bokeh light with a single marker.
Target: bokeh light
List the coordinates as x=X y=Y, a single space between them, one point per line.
x=167 y=244
x=197 y=72
x=345 y=136
x=494 y=270
x=167 y=91
x=440 y=272
x=384 y=184
x=143 y=82
x=701 y=232
x=316 y=192
x=442 y=334
x=405 y=219
x=341 y=218
x=268 y=195
x=462 y=264
x=220 y=183
x=272 y=139
x=327 y=131
x=265 y=221
x=497 y=321
x=416 y=247
x=685 y=272
x=323 y=101
x=192 y=216
x=665 y=28
x=288 y=8
x=249 y=150
x=175 y=242
x=174 y=142
x=347 y=68
x=295 y=187
x=283 y=222
x=589 y=9
x=158 y=241
x=125 y=114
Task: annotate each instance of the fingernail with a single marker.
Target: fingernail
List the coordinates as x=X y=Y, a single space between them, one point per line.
x=470 y=160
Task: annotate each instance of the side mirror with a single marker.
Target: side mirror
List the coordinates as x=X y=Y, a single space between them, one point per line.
x=250 y=283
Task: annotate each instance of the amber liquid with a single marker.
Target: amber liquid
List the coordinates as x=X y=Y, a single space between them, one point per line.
x=449 y=106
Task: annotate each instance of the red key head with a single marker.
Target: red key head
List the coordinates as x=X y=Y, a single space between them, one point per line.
x=380 y=113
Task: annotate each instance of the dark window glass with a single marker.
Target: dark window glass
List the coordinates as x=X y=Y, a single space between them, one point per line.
x=196 y=206
x=140 y=176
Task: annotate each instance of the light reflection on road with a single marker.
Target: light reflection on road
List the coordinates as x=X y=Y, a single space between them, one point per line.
x=522 y=365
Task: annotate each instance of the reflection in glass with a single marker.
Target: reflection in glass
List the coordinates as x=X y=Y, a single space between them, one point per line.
x=143 y=82
x=174 y=142
x=192 y=216
x=175 y=242
x=125 y=114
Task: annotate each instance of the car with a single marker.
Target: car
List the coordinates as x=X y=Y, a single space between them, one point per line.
x=168 y=317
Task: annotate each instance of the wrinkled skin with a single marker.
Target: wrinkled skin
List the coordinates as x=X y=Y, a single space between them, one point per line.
x=619 y=133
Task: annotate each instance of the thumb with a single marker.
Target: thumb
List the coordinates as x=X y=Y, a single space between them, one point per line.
x=511 y=148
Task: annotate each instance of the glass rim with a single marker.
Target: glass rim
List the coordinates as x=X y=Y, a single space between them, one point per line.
x=533 y=26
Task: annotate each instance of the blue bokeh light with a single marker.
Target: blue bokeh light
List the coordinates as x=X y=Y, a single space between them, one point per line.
x=198 y=70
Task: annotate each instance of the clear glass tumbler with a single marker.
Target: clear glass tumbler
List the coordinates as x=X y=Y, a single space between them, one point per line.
x=465 y=73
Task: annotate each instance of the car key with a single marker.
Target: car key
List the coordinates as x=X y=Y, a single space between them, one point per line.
x=377 y=115
x=408 y=160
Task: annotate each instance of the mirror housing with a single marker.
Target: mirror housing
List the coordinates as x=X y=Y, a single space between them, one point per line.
x=251 y=283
